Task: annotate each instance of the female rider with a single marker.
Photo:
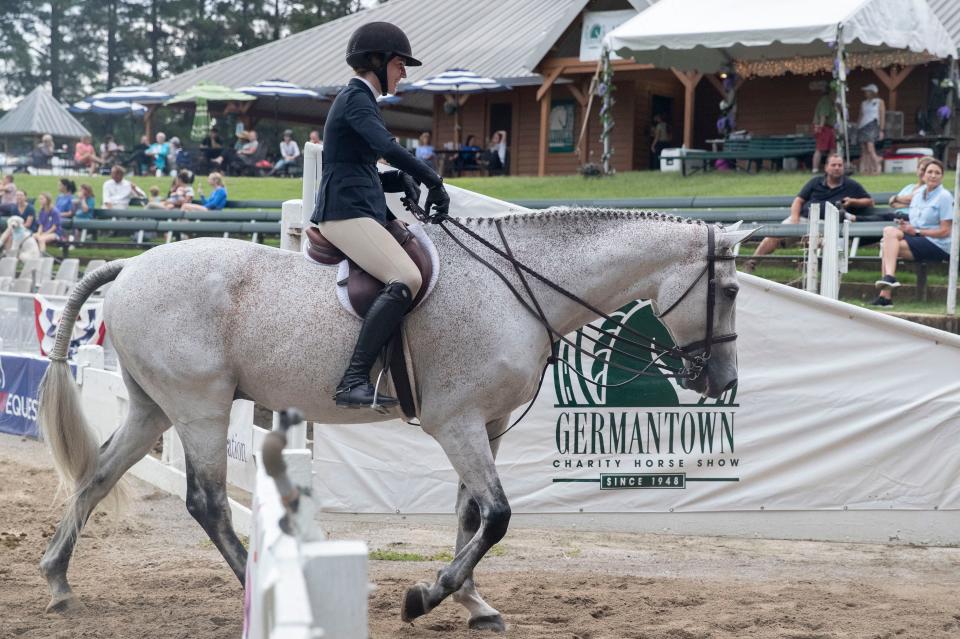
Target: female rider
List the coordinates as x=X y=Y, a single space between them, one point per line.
x=351 y=210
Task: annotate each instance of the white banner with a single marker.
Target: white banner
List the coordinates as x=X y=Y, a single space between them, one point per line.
x=596 y=25
x=837 y=407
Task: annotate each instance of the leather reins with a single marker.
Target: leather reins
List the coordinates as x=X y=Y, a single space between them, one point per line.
x=696 y=354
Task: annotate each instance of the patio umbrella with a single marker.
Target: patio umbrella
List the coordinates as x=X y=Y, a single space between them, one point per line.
x=107 y=108
x=201 y=121
x=211 y=93
x=456 y=82
x=278 y=89
x=135 y=93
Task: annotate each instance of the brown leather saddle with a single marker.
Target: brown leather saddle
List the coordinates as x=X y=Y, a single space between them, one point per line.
x=363 y=288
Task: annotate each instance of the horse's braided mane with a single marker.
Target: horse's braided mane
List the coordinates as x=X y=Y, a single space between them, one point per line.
x=585 y=214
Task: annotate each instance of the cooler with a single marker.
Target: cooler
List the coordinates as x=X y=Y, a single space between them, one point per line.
x=904 y=160
x=670 y=159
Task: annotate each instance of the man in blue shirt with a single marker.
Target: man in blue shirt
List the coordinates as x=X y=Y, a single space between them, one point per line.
x=923 y=237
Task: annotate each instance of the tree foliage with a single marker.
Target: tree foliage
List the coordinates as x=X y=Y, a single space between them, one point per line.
x=77 y=47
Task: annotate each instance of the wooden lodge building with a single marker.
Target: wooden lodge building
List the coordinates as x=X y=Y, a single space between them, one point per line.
x=546 y=52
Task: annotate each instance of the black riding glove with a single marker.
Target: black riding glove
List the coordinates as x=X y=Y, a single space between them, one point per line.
x=411 y=188
x=438 y=199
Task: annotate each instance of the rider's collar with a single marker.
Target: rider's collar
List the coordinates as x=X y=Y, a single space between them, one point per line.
x=370 y=86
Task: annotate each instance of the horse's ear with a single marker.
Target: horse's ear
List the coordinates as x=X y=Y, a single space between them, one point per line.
x=734 y=236
x=733 y=227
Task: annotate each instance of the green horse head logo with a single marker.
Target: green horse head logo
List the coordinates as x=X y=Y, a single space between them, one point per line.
x=601 y=382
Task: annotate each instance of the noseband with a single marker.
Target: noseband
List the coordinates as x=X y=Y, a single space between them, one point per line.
x=698 y=353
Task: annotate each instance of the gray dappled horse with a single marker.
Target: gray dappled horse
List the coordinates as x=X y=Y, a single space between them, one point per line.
x=197 y=324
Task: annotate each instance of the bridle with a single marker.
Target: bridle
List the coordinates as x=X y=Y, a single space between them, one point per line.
x=705 y=345
x=696 y=354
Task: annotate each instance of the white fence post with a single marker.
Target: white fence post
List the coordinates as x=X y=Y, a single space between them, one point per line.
x=954 y=249
x=813 y=234
x=830 y=278
x=299 y=586
x=312 y=165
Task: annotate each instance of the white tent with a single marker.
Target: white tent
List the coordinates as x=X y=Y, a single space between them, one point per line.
x=706 y=35
x=772 y=37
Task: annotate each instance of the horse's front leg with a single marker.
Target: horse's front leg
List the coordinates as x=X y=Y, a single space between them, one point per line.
x=468 y=449
x=482 y=615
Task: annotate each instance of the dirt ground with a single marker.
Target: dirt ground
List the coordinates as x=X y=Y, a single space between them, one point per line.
x=156 y=576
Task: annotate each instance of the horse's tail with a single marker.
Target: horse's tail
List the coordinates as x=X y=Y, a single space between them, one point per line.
x=72 y=442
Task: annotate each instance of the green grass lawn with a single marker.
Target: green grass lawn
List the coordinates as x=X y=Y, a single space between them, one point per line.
x=635 y=184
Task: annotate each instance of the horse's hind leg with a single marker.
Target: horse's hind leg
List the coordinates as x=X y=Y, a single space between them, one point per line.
x=482 y=615
x=468 y=450
x=145 y=423
x=205 y=450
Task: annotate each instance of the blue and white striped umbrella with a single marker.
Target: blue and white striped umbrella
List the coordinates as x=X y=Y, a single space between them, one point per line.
x=456 y=81
x=107 y=108
x=279 y=89
x=136 y=93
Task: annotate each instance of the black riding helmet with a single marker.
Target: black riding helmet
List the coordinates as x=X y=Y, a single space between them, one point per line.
x=382 y=38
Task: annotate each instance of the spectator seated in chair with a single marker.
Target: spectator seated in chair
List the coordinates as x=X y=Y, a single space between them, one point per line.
x=923 y=236
x=110 y=151
x=495 y=157
x=425 y=151
x=159 y=153
x=217 y=199
x=85 y=157
x=24 y=209
x=8 y=196
x=43 y=153
x=843 y=192
x=139 y=160
x=289 y=154
x=467 y=158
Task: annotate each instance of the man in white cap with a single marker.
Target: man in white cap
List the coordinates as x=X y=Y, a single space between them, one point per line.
x=873 y=115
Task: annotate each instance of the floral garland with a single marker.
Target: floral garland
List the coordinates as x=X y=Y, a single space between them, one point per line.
x=605 y=90
x=817 y=64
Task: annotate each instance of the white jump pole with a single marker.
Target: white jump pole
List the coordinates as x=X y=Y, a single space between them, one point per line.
x=954 y=249
x=830 y=279
x=813 y=233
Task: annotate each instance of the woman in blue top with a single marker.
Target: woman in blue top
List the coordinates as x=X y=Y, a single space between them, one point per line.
x=48 y=222
x=924 y=237
x=64 y=202
x=901 y=201
x=217 y=199
x=86 y=204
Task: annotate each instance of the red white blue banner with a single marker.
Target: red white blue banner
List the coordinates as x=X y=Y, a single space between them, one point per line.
x=88 y=330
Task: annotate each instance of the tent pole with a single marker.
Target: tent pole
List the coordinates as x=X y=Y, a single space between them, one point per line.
x=842 y=94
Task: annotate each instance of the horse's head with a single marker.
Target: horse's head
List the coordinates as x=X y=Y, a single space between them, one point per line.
x=697 y=304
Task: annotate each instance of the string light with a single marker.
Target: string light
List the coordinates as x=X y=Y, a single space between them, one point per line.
x=812 y=65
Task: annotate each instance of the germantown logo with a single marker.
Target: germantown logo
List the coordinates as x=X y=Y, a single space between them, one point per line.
x=637 y=432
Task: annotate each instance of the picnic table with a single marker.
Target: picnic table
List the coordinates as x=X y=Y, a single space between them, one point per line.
x=754 y=151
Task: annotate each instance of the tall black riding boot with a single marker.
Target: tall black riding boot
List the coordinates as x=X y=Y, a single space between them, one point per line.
x=379 y=325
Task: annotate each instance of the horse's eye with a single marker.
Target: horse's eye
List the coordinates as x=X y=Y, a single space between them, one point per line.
x=731 y=291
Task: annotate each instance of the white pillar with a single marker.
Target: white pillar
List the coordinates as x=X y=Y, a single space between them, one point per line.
x=337 y=582
x=830 y=279
x=813 y=234
x=954 y=240
x=291 y=225
x=312 y=165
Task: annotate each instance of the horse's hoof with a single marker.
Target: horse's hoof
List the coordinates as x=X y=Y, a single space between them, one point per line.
x=63 y=604
x=414 y=602
x=488 y=622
